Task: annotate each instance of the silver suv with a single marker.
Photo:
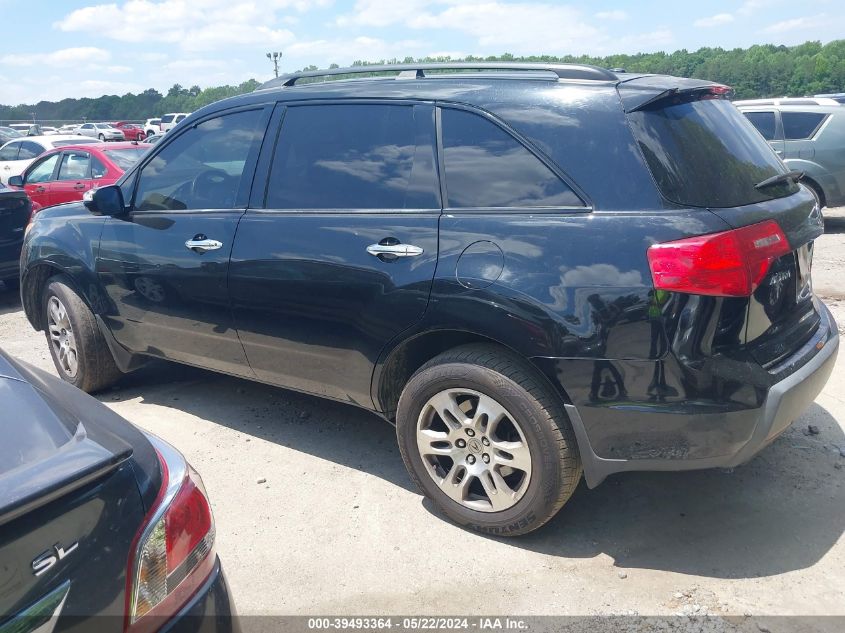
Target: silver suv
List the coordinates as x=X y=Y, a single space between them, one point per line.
x=809 y=138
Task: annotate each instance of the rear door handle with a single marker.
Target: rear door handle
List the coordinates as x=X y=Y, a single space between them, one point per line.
x=80 y=185
x=201 y=244
x=40 y=189
x=396 y=250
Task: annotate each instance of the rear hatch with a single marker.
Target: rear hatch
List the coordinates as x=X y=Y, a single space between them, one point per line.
x=703 y=153
x=69 y=507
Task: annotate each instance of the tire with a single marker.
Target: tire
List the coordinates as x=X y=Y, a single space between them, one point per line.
x=534 y=428
x=102 y=138
x=86 y=361
x=816 y=191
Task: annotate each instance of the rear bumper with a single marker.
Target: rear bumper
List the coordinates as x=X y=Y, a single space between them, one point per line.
x=210 y=610
x=785 y=401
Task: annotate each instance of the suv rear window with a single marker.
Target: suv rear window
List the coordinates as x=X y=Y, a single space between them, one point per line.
x=801 y=125
x=167 y=118
x=704 y=153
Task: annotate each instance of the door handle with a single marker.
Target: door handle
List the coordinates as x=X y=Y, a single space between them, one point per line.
x=779 y=152
x=79 y=185
x=40 y=189
x=201 y=244
x=396 y=250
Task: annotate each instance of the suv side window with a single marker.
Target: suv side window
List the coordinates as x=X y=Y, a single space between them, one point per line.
x=801 y=125
x=764 y=122
x=202 y=167
x=43 y=170
x=367 y=156
x=487 y=167
x=10 y=151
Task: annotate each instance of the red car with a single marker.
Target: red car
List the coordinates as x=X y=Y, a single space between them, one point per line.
x=66 y=173
x=132 y=131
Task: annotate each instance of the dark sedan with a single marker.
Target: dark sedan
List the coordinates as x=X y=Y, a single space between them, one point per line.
x=15 y=211
x=102 y=527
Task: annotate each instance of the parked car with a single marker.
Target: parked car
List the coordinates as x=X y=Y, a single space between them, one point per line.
x=102 y=131
x=65 y=174
x=839 y=97
x=435 y=249
x=169 y=121
x=15 y=212
x=23 y=128
x=17 y=154
x=152 y=139
x=48 y=130
x=794 y=101
x=7 y=134
x=810 y=139
x=102 y=526
x=132 y=131
x=69 y=128
x=152 y=126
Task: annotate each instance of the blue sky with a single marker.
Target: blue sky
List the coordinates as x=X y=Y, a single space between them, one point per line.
x=52 y=49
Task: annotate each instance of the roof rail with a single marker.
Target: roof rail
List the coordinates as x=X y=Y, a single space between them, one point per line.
x=417 y=71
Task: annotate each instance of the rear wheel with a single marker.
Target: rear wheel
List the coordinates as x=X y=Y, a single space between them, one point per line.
x=80 y=353
x=487 y=440
x=102 y=138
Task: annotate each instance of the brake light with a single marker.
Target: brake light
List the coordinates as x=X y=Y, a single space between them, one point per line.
x=174 y=550
x=727 y=264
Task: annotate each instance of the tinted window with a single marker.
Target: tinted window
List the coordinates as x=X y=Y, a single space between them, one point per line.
x=487 y=167
x=202 y=167
x=764 y=122
x=705 y=153
x=10 y=151
x=43 y=170
x=800 y=125
x=98 y=170
x=74 y=166
x=355 y=157
x=167 y=118
x=30 y=150
x=75 y=141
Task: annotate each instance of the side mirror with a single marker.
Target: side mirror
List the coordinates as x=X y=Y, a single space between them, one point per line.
x=16 y=181
x=106 y=200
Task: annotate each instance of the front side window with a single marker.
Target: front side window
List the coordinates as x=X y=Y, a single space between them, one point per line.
x=764 y=122
x=368 y=156
x=43 y=170
x=487 y=167
x=202 y=167
x=801 y=125
x=74 y=166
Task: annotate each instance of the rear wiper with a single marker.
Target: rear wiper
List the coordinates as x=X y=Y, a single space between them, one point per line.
x=794 y=176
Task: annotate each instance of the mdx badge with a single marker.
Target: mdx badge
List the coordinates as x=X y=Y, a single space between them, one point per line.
x=52 y=556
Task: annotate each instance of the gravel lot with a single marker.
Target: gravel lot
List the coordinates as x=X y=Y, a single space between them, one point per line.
x=336 y=527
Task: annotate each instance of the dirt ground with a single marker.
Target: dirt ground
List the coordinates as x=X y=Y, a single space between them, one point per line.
x=335 y=526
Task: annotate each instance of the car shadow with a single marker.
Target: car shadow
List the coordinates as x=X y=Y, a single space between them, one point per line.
x=10 y=299
x=834 y=224
x=781 y=512
x=342 y=433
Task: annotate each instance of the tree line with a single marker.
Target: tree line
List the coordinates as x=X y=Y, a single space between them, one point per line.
x=759 y=71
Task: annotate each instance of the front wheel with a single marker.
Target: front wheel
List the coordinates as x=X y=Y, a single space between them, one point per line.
x=80 y=353
x=102 y=138
x=487 y=440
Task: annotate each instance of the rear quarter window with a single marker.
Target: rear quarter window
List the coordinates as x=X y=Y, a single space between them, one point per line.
x=801 y=125
x=764 y=122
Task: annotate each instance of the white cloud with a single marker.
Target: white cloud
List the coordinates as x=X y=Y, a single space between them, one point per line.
x=715 y=20
x=66 y=57
x=796 y=24
x=616 y=14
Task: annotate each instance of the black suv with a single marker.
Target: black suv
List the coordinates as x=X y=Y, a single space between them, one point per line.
x=532 y=269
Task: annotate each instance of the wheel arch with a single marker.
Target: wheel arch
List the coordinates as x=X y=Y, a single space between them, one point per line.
x=34 y=281
x=399 y=363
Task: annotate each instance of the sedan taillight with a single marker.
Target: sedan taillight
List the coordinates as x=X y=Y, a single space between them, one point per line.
x=727 y=264
x=174 y=550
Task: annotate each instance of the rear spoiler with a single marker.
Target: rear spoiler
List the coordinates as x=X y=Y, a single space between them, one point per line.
x=76 y=464
x=650 y=90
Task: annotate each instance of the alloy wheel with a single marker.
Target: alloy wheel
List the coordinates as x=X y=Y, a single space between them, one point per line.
x=474 y=450
x=62 y=337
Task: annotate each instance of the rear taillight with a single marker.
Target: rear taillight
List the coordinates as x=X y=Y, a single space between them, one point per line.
x=174 y=550
x=727 y=264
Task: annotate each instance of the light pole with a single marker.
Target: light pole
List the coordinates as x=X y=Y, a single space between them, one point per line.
x=275 y=56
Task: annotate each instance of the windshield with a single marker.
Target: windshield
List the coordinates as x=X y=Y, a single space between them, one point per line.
x=125 y=158
x=704 y=153
x=10 y=132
